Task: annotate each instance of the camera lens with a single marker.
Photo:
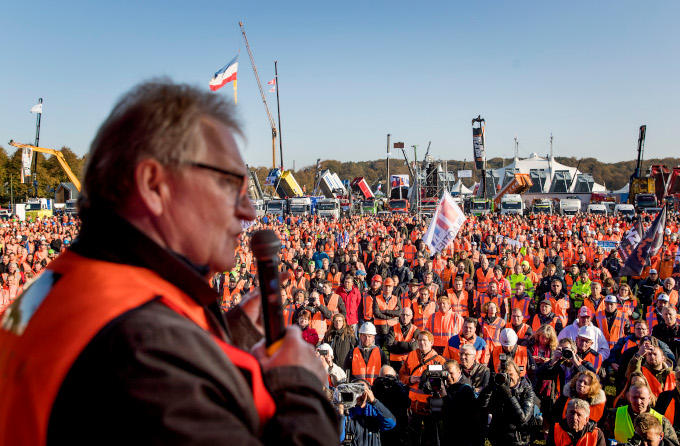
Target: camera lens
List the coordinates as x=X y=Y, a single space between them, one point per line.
x=500 y=379
x=567 y=354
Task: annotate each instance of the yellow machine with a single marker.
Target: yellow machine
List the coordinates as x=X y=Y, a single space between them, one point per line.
x=60 y=158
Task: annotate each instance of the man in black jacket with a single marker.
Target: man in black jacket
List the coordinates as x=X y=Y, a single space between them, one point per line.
x=668 y=330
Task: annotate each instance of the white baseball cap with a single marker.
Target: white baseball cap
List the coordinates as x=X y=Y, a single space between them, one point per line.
x=368 y=328
x=508 y=337
x=664 y=297
x=653 y=271
x=611 y=299
x=587 y=332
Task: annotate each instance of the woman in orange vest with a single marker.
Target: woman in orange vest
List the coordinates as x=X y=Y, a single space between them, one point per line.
x=490 y=325
x=423 y=308
x=585 y=385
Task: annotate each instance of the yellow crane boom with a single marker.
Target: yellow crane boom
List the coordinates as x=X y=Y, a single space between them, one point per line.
x=60 y=157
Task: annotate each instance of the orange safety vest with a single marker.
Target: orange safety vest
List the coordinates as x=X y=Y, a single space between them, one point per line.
x=562 y=438
x=334 y=279
x=445 y=325
x=386 y=306
x=288 y=314
x=415 y=366
x=655 y=385
x=318 y=323
x=367 y=303
x=422 y=315
x=536 y=322
x=523 y=304
x=458 y=304
x=399 y=337
x=491 y=333
x=587 y=302
x=361 y=370
x=521 y=332
x=521 y=359
x=64 y=292
x=483 y=279
x=616 y=332
x=595 y=359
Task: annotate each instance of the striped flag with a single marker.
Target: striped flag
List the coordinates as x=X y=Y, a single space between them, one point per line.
x=446 y=222
x=224 y=75
x=649 y=246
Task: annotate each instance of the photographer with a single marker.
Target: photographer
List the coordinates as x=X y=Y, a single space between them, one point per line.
x=460 y=409
x=394 y=395
x=509 y=403
x=510 y=350
x=335 y=374
x=320 y=313
x=563 y=365
x=415 y=374
x=362 y=423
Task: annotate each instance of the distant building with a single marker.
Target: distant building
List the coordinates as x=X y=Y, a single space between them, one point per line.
x=65 y=192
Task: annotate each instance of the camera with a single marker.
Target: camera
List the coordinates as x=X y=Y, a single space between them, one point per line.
x=348 y=394
x=433 y=379
x=501 y=378
x=567 y=353
x=323 y=352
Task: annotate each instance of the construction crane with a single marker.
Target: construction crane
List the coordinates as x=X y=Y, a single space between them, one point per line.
x=264 y=100
x=60 y=158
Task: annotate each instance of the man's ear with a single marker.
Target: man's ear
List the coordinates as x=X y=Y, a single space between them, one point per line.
x=151 y=182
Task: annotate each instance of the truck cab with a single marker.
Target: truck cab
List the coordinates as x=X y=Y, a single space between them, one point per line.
x=627 y=210
x=39 y=208
x=542 y=206
x=646 y=203
x=328 y=208
x=300 y=206
x=597 y=209
x=369 y=206
x=570 y=206
x=480 y=206
x=512 y=204
x=275 y=207
x=399 y=206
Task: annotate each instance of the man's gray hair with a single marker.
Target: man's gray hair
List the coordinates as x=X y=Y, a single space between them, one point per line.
x=577 y=404
x=156 y=119
x=468 y=347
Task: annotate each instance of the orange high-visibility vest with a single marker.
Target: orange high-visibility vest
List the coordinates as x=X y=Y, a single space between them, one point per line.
x=523 y=304
x=492 y=332
x=522 y=330
x=562 y=438
x=596 y=411
x=399 y=337
x=415 y=367
x=443 y=326
x=386 y=306
x=560 y=307
x=655 y=385
x=521 y=359
x=616 y=332
x=422 y=315
x=29 y=389
x=369 y=371
x=483 y=279
x=367 y=303
x=458 y=304
x=536 y=322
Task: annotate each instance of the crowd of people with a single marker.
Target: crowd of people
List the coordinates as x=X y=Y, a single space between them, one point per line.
x=511 y=335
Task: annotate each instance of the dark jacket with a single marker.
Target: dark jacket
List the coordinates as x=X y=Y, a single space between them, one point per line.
x=669 y=335
x=153 y=376
x=366 y=423
x=511 y=409
x=462 y=414
x=394 y=395
x=342 y=345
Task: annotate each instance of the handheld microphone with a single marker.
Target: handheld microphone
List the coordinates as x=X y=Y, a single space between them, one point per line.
x=265 y=245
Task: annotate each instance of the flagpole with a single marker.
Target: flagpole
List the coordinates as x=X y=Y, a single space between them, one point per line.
x=37 y=124
x=278 y=110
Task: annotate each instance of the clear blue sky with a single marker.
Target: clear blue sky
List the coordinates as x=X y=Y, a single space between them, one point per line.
x=351 y=72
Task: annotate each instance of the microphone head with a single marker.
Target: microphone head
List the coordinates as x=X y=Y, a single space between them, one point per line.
x=265 y=244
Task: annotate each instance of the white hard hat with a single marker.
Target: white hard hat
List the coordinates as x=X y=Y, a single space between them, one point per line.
x=508 y=337
x=368 y=328
x=587 y=332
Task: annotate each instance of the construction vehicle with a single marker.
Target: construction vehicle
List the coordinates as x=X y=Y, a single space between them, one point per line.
x=597 y=209
x=276 y=207
x=369 y=206
x=542 y=206
x=328 y=208
x=516 y=186
x=481 y=206
x=35 y=208
x=512 y=204
x=331 y=186
x=646 y=203
x=57 y=154
x=673 y=189
x=653 y=183
x=287 y=186
x=570 y=206
x=359 y=185
x=625 y=209
x=300 y=206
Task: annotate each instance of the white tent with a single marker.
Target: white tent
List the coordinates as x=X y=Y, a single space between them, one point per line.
x=460 y=188
x=548 y=166
x=623 y=190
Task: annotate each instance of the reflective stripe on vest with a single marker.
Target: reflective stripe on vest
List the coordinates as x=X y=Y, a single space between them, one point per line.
x=655 y=385
x=521 y=359
x=522 y=304
x=415 y=368
x=443 y=326
x=383 y=305
x=623 y=425
x=369 y=371
x=492 y=332
x=616 y=331
x=420 y=316
x=483 y=279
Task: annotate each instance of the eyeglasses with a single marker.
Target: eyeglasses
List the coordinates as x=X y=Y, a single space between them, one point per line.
x=240 y=181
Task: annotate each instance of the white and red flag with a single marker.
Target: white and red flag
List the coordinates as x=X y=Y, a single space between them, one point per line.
x=224 y=75
x=272 y=82
x=446 y=222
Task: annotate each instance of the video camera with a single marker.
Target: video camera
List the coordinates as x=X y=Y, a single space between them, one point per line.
x=348 y=394
x=501 y=377
x=433 y=379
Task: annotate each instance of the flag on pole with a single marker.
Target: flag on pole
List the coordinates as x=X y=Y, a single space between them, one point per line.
x=37 y=108
x=649 y=246
x=224 y=75
x=445 y=224
x=26 y=157
x=272 y=82
x=630 y=241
